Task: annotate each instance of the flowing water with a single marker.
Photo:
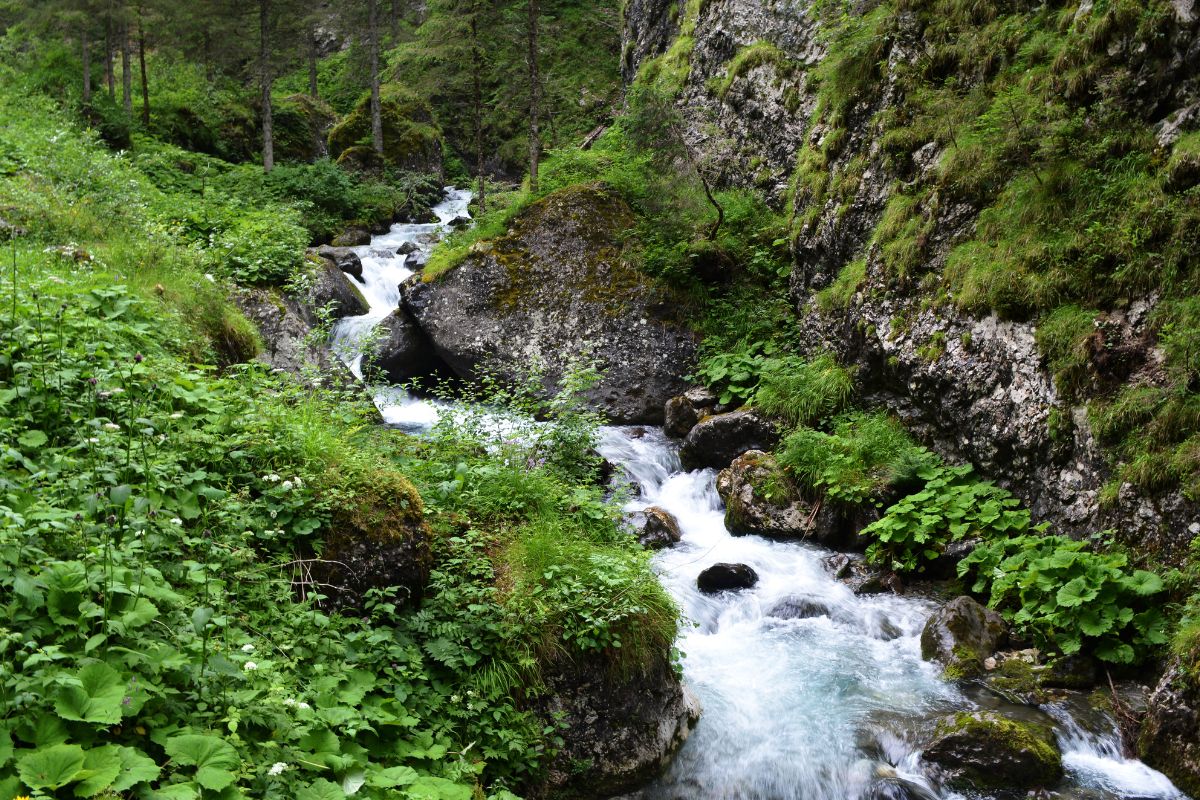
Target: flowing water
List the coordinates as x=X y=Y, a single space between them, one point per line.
x=793 y=709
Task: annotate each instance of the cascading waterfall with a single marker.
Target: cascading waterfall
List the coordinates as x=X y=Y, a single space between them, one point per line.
x=810 y=708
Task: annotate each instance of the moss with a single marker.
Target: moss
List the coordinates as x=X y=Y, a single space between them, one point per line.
x=1063 y=337
x=411 y=140
x=759 y=54
x=934 y=349
x=300 y=125
x=999 y=738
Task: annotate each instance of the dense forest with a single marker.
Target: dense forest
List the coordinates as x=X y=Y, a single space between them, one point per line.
x=473 y=399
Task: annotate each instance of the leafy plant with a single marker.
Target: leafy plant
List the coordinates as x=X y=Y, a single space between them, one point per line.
x=802 y=391
x=1069 y=597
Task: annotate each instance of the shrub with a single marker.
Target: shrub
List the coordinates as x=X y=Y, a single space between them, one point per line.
x=803 y=391
x=260 y=247
x=1070 y=598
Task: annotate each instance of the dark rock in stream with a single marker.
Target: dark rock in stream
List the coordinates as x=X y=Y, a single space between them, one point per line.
x=726 y=577
x=799 y=608
x=661 y=529
x=717 y=440
x=682 y=412
x=416 y=260
x=344 y=258
x=623 y=726
x=1169 y=739
x=352 y=237
x=960 y=635
x=401 y=352
x=559 y=290
x=984 y=750
x=461 y=221
x=407 y=248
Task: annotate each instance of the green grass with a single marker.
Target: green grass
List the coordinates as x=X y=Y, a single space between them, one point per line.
x=1062 y=337
x=803 y=391
x=759 y=54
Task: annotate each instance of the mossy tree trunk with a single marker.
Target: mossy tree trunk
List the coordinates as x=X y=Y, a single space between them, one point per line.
x=477 y=103
x=535 y=96
x=142 y=64
x=109 y=76
x=313 y=87
x=126 y=74
x=86 y=55
x=376 y=106
x=264 y=67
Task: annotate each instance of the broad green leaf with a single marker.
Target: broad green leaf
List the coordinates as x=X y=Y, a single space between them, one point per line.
x=214 y=758
x=1143 y=583
x=321 y=789
x=97 y=698
x=143 y=611
x=6 y=746
x=391 y=777
x=1076 y=592
x=1095 y=621
x=119 y=495
x=136 y=767
x=428 y=787
x=176 y=791
x=101 y=765
x=51 y=767
x=31 y=439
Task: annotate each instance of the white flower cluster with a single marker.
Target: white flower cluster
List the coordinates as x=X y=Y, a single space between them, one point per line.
x=247 y=648
x=277 y=768
x=250 y=666
x=291 y=702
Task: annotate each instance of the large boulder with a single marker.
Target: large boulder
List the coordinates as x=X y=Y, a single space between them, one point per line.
x=353 y=236
x=558 y=290
x=330 y=289
x=344 y=258
x=717 y=440
x=625 y=724
x=660 y=530
x=961 y=635
x=1169 y=739
x=726 y=577
x=760 y=499
x=985 y=750
x=301 y=124
x=401 y=352
x=411 y=138
x=682 y=412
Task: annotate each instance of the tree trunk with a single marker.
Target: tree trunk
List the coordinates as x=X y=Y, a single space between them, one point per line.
x=395 y=21
x=313 y=88
x=264 y=67
x=477 y=106
x=126 y=75
x=376 y=106
x=86 y=55
x=109 y=77
x=535 y=100
x=142 y=64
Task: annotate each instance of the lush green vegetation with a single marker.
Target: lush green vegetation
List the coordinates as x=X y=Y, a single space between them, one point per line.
x=134 y=427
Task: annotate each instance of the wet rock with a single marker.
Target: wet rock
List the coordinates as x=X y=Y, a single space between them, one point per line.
x=624 y=726
x=331 y=290
x=344 y=258
x=960 y=635
x=461 y=221
x=1169 y=739
x=761 y=500
x=382 y=253
x=985 y=750
x=401 y=352
x=862 y=578
x=684 y=411
x=717 y=440
x=352 y=237
x=407 y=248
x=945 y=566
x=660 y=530
x=1078 y=672
x=416 y=260
x=799 y=608
x=559 y=289
x=726 y=577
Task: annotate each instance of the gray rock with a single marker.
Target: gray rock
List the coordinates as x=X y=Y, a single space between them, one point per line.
x=352 y=237
x=986 y=750
x=461 y=221
x=345 y=258
x=761 y=500
x=332 y=290
x=401 y=352
x=681 y=413
x=558 y=289
x=961 y=634
x=726 y=577
x=1169 y=739
x=717 y=440
x=407 y=248
x=660 y=530
x=799 y=608
x=416 y=260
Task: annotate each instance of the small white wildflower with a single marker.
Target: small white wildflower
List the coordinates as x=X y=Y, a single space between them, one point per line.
x=249 y=666
x=116 y=390
x=111 y=426
x=176 y=521
x=455 y=698
x=277 y=768
x=247 y=648
x=289 y=701
x=287 y=486
x=177 y=415
x=271 y=477
x=93 y=440
x=274 y=513
x=210 y=277
x=299 y=483
x=303 y=705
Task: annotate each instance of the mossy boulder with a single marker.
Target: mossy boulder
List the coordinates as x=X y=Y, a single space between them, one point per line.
x=760 y=499
x=985 y=750
x=411 y=139
x=960 y=635
x=682 y=412
x=557 y=290
x=401 y=352
x=377 y=540
x=717 y=440
x=300 y=125
x=660 y=530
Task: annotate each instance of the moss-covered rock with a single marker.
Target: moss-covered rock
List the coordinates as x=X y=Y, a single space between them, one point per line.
x=411 y=139
x=1169 y=739
x=378 y=541
x=960 y=635
x=984 y=750
x=760 y=499
x=300 y=125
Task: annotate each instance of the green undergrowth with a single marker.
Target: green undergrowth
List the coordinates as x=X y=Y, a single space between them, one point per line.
x=165 y=506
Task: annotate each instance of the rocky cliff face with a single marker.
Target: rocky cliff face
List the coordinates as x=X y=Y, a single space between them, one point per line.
x=776 y=109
